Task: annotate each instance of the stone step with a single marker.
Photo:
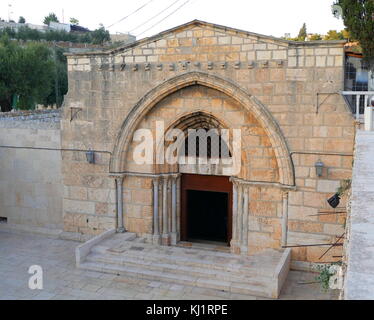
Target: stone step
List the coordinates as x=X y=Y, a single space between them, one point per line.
x=261 y=274
x=187 y=251
x=225 y=274
x=204 y=246
x=255 y=288
x=253 y=265
x=269 y=256
x=115 y=242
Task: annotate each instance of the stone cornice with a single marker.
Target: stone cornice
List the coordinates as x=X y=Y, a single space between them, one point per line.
x=262 y=184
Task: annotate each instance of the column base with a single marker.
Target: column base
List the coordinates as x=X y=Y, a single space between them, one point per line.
x=165 y=240
x=121 y=230
x=173 y=239
x=244 y=251
x=156 y=240
x=235 y=248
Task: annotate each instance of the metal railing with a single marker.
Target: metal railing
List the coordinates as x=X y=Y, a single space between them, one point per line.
x=361 y=105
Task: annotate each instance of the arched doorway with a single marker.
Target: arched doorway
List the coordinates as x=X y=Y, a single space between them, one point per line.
x=262 y=137
x=206 y=193
x=205 y=201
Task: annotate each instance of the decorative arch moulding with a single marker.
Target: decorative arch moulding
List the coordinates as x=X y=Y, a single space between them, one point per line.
x=250 y=103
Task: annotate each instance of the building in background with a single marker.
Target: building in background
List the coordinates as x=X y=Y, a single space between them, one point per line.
x=357 y=76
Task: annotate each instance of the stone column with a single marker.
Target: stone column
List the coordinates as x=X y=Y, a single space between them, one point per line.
x=239 y=219
x=234 y=216
x=285 y=219
x=119 y=206
x=174 y=211
x=165 y=209
x=160 y=205
x=244 y=243
x=156 y=218
x=179 y=213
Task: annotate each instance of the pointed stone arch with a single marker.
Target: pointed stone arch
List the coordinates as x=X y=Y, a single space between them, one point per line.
x=247 y=101
x=191 y=120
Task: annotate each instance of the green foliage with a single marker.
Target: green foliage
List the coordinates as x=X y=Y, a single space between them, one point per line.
x=358 y=18
x=333 y=35
x=85 y=38
x=100 y=36
x=21 y=20
x=27 y=72
x=9 y=32
x=60 y=79
x=302 y=33
x=325 y=274
x=346 y=34
x=50 y=18
x=315 y=37
x=74 y=21
x=24 y=33
x=60 y=35
x=345 y=185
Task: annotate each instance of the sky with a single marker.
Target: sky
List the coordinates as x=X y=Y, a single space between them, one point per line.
x=268 y=17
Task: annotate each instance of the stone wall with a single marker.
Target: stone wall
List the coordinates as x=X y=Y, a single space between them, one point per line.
x=296 y=83
x=31 y=187
x=358 y=262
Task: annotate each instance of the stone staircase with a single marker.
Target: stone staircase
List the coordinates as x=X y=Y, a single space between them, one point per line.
x=260 y=275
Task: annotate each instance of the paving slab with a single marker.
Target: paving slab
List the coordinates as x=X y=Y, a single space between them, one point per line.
x=62 y=281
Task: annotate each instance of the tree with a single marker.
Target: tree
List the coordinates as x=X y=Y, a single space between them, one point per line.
x=21 y=20
x=25 y=33
x=302 y=33
x=50 y=18
x=100 y=36
x=346 y=34
x=74 y=21
x=60 y=79
x=358 y=16
x=26 y=72
x=333 y=35
x=315 y=37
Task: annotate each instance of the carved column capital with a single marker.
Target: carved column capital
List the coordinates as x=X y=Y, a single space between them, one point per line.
x=285 y=195
x=118 y=177
x=156 y=180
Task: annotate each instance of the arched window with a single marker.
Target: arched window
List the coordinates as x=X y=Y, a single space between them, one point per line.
x=207 y=143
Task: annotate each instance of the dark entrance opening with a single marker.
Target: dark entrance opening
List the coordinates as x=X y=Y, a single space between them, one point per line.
x=207 y=216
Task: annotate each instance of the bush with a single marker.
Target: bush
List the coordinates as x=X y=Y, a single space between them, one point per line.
x=25 y=33
x=30 y=72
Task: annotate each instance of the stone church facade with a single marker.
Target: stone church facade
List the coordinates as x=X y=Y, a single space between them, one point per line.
x=283 y=96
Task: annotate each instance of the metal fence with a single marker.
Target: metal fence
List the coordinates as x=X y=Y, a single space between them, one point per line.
x=362 y=105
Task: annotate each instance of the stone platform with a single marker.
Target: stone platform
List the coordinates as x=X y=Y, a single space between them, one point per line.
x=359 y=281
x=261 y=275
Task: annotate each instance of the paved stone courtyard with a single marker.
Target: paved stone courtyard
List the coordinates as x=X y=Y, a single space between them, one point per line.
x=63 y=281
